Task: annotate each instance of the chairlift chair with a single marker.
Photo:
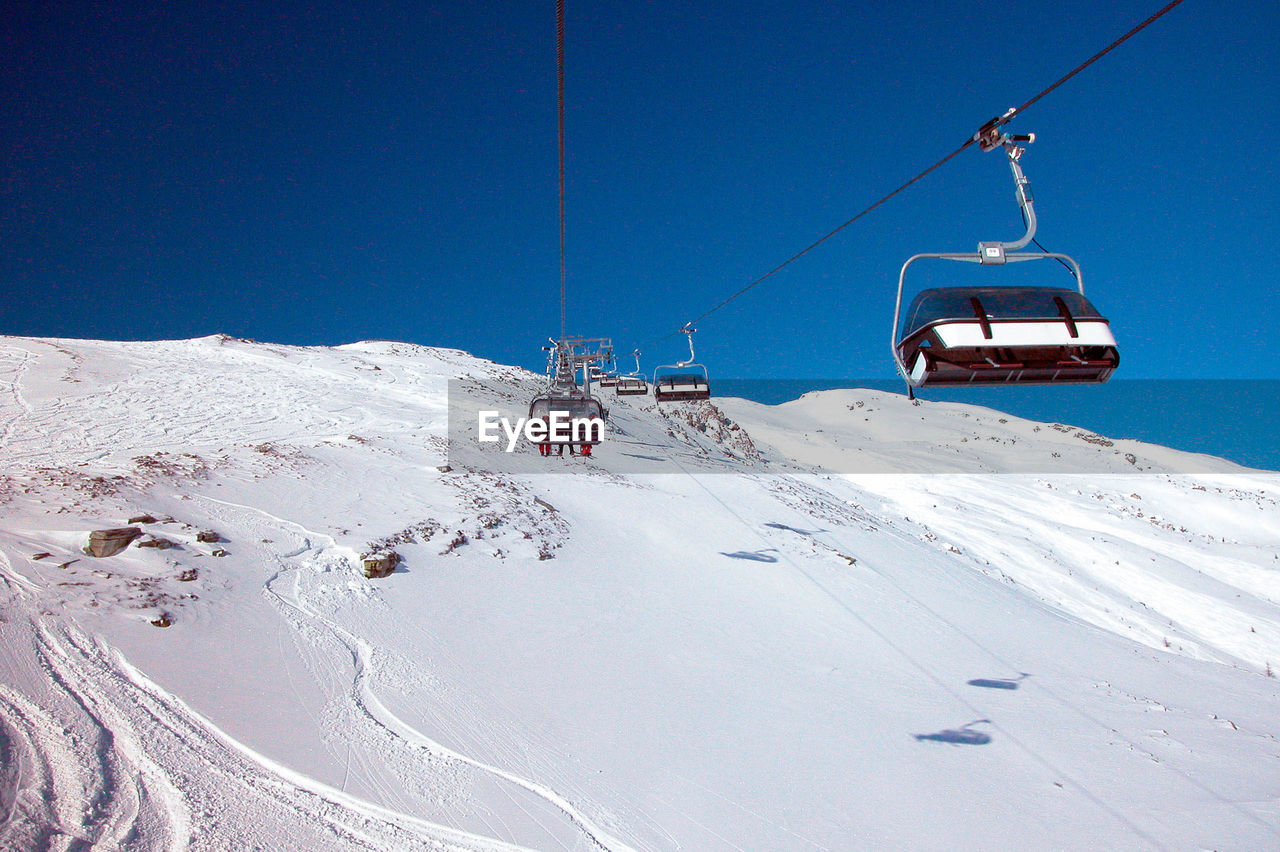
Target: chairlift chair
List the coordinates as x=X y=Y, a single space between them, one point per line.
x=576 y=407
x=563 y=395
x=1002 y=335
x=680 y=382
x=1005 y=335
x=609 y=377
x=632 y=384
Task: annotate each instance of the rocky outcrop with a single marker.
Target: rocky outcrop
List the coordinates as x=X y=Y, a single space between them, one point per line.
x=104 y=543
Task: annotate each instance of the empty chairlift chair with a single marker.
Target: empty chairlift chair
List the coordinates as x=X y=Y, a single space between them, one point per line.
x=681 y=387
x=1005 y=335
x=632 y=384
x=682 y=381
x=1002 y=335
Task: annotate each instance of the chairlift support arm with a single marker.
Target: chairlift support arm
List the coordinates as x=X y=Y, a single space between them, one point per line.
x=989 y=137
x=688 y=332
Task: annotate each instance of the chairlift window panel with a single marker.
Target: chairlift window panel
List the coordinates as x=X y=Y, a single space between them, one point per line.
x=998 y=303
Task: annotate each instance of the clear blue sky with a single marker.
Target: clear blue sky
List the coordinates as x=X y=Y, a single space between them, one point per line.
x=328 y=172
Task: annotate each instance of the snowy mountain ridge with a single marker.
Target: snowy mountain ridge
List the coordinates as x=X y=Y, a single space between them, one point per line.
x=736 y=626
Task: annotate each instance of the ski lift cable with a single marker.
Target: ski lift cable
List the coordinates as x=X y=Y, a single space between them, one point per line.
x=560 y=146
x=986 y=130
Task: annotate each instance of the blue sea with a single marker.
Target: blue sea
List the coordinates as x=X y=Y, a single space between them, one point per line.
x=1234 y=419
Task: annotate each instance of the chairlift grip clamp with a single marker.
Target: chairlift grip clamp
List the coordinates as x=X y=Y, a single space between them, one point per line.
x=989 y=136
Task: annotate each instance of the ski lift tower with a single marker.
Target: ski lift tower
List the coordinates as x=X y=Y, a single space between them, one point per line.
x=584 y=353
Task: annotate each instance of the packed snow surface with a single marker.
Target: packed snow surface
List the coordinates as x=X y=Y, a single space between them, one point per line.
x=767 y=642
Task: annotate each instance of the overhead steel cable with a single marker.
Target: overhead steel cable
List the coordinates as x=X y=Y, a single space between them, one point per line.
x=986 y=128
x=1101 y=53
x=560 y=141
x=822 y=240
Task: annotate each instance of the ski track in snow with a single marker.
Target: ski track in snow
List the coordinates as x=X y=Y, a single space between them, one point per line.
x=317 y=551
x=101 y=784
x=11 y=371
x=87 y=783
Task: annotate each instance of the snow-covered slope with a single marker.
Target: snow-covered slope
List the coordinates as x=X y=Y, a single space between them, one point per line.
x=751 y=651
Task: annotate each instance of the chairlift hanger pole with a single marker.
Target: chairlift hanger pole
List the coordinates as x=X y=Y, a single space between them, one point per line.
x=562 y=393
x=560 y=147
x=688 y=331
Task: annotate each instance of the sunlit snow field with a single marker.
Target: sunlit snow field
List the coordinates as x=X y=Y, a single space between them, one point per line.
x=736 y=626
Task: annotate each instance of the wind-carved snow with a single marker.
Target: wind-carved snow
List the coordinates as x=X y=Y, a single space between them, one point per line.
x=752 y=651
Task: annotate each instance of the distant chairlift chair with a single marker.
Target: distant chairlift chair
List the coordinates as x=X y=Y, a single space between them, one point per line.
x=1002 y=335
x=679 y=383
x=562 y=394
x=632 y=384
x=575 y=407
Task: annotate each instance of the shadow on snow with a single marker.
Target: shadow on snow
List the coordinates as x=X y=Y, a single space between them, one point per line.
x=964 y=735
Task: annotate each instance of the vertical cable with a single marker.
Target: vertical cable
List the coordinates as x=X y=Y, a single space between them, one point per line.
x=560 y=137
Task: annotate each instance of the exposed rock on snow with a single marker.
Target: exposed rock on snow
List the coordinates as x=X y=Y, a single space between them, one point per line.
x=380 y=564
x=103 y=543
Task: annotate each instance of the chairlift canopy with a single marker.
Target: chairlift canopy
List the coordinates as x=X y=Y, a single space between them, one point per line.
x=574 y=408
x=1005 y=335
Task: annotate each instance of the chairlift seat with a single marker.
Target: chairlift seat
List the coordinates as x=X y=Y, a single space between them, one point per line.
x=631 y=386
x=679 y=387
x=1005 y=335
